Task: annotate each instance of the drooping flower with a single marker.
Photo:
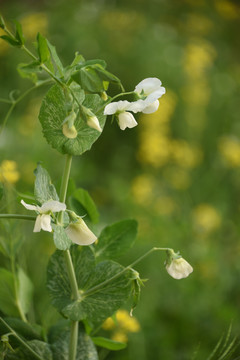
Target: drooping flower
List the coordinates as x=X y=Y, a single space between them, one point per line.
x=121 y=109
x=149 y=91
x=43 y=220
x=176 y=266
x=79 y=233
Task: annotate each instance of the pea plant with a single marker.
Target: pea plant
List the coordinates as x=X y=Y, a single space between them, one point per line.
x=85 y=282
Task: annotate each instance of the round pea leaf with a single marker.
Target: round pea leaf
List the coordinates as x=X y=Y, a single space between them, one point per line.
x=53 y=112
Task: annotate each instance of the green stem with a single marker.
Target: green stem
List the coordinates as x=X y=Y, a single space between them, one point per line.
x=21 y=340
x=99 y=286
x=71 y=273
x=113 y=98
x=17 y=216
x=19 y=99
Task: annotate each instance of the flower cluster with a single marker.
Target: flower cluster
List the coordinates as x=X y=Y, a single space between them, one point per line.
x=148 y=91
x=77 y=231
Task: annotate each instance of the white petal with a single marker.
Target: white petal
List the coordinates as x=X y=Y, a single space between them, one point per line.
x=137 y=106
x=151 y=108
x=179 y=268
x=30 y=207
x=52 y=205
x=46 y=222
x=114 y=107
x=80 y=234
x=37 y=226
x=148 y=86
x=155 y=95
x=126 y=120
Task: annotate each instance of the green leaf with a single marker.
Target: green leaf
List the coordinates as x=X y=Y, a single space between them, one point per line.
x=10 y=39
x=22 y=353
x=29 y=70
x=25 y=290
x=82 y=204
x=108 y=344
x=26 y=330
x=43 y=50
x=2 y=23
x=116 y=239
x=7 y=298
x=44 y=190
x=88 y=79
x=60 y=344
x=52 y=114
x=19 y=34
x=58 y=67
x=60 y=238
x=78 y=59
x=95 y=303
x=106 y=75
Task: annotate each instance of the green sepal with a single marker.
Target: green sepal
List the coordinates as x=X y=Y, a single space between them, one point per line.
x=60 y=238
x=53 y=113
x=43 y=50
x=19 y=34
x=82 y=203
x=108 y=343
x=44 y=190
x=116 y=239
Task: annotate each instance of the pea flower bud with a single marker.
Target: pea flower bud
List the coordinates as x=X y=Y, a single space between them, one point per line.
x=176 y=266
x=79 y=233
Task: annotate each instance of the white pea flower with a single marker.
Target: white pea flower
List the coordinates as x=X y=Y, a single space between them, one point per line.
x=149 y=91
x=120 y=108
x=93 y=122
x=177 y=267
x=43 y=220
x=79 y=233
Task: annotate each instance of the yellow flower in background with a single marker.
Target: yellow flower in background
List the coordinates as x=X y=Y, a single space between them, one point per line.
x=119 y=336
x=185 y=155
x=9 y=172
x=123 y=325
x=177 y=178
x=155 y=143
x=164 y=206
x=229 y=148
x=33 y=23
x=227 y=9
x=155 y=150
x=142 y=188
x=127 y=322
x=197 y=93
x=199 y=56
x=206 y=218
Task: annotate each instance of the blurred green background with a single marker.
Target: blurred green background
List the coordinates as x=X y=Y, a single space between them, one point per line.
x=177 y=173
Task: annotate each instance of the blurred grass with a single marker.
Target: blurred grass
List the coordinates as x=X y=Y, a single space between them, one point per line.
x=177 y=173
